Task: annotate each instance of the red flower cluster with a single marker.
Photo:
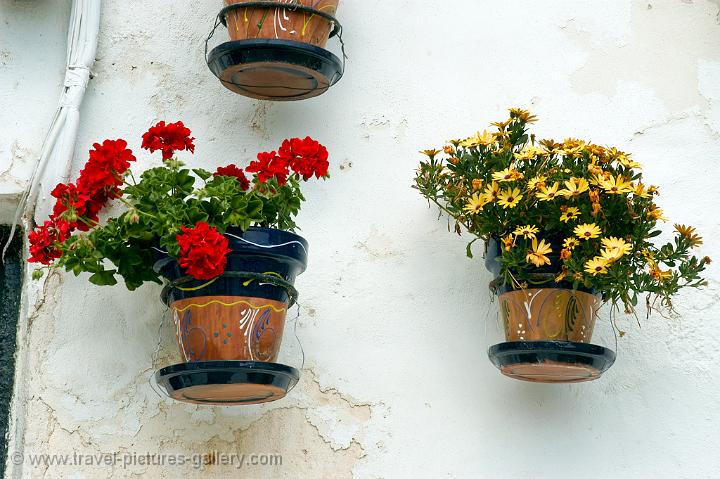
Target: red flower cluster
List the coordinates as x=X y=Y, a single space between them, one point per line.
x=45 y=241
x=304 y=157
x=78 y=205
x=202 y=251
x=103 y=171
x=269 y=165
x=168 y=138
x=234 y=171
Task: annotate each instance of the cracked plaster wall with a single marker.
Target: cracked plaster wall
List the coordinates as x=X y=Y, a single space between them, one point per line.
x=396 y=381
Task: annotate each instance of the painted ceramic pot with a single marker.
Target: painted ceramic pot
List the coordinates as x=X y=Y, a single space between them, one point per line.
x=233 y=318
x=544 y=314
x=282 y=23
x=548 y=329
x=548 y=314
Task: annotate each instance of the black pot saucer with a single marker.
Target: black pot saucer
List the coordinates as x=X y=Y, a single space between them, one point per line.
x=279 y=70
x=227 y=383
x=551 y=361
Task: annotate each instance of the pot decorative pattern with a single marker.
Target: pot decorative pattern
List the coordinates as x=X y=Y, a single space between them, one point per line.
x=229 y=328
x=549 y=314
x=282 y=23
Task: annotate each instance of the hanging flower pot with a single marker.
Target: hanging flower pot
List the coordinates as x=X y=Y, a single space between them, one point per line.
x=236 y=316
x=221 y=243
x=277 y=48
x=568 y=227
x=548 y=330
x=281 y=20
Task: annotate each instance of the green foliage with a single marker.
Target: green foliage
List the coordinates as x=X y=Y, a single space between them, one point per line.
x=165 y=199
x=573 y=213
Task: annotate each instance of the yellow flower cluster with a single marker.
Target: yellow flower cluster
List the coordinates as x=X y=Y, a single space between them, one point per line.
x=613 y=249
x=498 y=183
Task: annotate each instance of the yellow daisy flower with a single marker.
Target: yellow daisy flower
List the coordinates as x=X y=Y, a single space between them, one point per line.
x=571 y=243
x=508 y=174
x=478 y=139
x=612 y=243
x=508 y=242
x=530 y=152
x=616 y=185
x=475 y=203
x=587 y=230
x=611 y=254
x=574 y=187
x=522 y=115
x=688 y=232
x=492 y=191
x=595 y=169
x=562 y=274
x=597 y=265
x=624 y=159
x=548 y=193
x=501 y=125
x=477 y=184
x=641 y=192
x=656 y=213
x=537 y=255
x=572 y=147
x=510 y=198
x=430 y=153
x=536 y=182
x=528 y=231
x=569 y=214
x=658 y=274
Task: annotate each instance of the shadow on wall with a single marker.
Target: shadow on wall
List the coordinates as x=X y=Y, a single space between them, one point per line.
x=10 y=285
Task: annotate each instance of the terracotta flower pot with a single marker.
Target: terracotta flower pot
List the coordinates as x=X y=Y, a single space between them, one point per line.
x=233 y=318
x=548 y=314
x=548 y=330
x=282 y=23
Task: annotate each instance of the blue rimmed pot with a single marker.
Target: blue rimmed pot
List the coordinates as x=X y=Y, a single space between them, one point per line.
x=240 y=315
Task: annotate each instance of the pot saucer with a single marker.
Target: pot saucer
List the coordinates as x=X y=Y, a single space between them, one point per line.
x=280 y=70
x=227 y=383
x=551 y=361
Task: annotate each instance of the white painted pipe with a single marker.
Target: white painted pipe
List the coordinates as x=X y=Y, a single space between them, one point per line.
x=55 y=161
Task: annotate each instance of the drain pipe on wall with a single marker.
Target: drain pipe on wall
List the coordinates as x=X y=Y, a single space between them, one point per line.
x=58 y=148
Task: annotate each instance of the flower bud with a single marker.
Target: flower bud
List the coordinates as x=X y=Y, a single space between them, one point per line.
x=132 y=216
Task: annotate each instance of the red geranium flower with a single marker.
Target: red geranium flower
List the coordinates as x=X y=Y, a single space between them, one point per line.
x=168 y=138
x=269 y=165
x=306 y=157
x=202 y=251
x=234 y=171
x=102 y=175
x=45 y=241
x=73 y=204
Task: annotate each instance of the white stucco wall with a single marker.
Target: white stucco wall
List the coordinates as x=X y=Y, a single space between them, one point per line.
x=393 y=321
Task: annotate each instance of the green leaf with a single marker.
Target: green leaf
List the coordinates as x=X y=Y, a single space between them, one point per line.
x=202 y=174
x=104 y=278
x=468 y=249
